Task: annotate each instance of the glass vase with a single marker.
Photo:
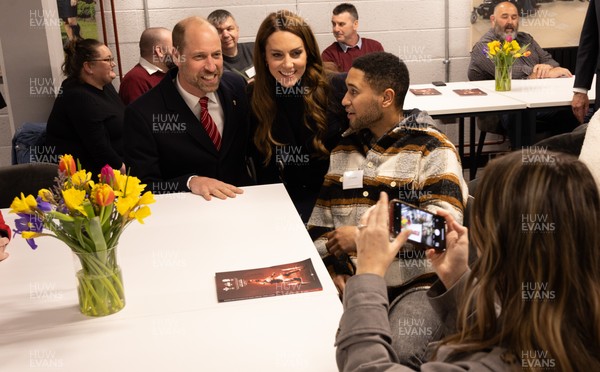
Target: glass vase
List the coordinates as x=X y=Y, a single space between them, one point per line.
x=100 y=284
x=503 y=77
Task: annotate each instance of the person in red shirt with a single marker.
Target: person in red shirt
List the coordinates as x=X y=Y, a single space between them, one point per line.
x=348 y=45
x=156 y=59
x=4 y=237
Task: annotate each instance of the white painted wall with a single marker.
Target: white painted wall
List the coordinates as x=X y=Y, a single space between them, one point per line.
x=31 y=59
x=411 y=29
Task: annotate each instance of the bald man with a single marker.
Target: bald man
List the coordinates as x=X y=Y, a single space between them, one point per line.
x=190 y=132
x=155 y=60
x=505 y=22
x=539 y=65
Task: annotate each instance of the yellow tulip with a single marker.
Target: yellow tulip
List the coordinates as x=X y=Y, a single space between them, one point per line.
x=103 y=195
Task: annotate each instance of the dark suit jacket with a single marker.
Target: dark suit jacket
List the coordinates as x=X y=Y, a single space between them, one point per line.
x=166 y=143
x=589 y=45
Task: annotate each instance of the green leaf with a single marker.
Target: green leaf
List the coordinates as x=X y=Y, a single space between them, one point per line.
x=88 y=208
x=95 y=230
x=61 y=216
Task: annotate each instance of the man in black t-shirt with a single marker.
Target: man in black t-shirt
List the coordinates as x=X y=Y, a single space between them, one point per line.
x=237 y=57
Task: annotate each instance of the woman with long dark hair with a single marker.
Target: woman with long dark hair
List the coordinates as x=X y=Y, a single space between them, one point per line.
x=531 y=300
x=296 y=106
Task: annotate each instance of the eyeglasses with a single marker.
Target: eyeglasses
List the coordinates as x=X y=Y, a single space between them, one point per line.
x=109 y=59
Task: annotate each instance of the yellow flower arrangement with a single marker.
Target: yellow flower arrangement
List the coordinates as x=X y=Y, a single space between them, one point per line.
x=89 y=217
x=504 y=55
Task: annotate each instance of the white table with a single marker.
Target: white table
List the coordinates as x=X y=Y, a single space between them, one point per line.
x=450 y=104
x=172 y=320
x=540 y=93
x=525 y=98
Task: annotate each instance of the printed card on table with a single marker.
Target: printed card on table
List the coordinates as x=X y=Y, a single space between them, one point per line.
x=470 y=92
x=291 y=278
x=425 y=92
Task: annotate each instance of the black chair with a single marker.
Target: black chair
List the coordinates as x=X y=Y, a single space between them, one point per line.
x=487 y=124
x=565 y=56
x=569 y=143
x=26 y=179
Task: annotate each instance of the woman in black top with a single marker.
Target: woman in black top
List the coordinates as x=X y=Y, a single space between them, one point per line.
x=297 y=112
x=87 y=118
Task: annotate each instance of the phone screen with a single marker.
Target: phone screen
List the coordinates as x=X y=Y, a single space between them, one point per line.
x=428 y=229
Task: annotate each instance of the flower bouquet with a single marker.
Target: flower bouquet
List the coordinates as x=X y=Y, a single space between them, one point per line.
x=89 y=217
x=504 y=55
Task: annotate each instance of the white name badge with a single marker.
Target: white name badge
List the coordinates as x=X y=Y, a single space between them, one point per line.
x=353 y=179
x=251 y=72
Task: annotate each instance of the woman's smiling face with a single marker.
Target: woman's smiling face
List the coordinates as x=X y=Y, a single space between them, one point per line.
x=286 y=57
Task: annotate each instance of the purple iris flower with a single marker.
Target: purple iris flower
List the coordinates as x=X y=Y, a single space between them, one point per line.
x=29 y=222
x=43 y=206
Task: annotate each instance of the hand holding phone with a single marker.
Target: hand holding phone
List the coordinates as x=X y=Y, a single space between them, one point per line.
x=375 y=251
x=451 y=264
x=427 y=229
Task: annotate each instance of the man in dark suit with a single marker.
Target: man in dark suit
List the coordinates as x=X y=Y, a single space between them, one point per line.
x=587 y=63
x=169 y=144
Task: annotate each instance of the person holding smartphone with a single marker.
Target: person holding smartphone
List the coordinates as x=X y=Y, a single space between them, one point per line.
x=529 y=301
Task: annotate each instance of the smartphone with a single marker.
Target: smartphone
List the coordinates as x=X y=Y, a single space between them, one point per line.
x=438 y=83
x=428 y=229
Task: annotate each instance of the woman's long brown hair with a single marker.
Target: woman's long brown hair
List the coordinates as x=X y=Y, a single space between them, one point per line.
x=536 y=223
x=314 y=81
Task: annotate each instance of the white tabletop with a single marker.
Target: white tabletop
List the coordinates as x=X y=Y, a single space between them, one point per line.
x=172 y=320
x=450 y=103
x=539 y=93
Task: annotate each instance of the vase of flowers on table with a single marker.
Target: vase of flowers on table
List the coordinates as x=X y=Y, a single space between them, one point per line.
x=504 y=55
x=89 y=217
